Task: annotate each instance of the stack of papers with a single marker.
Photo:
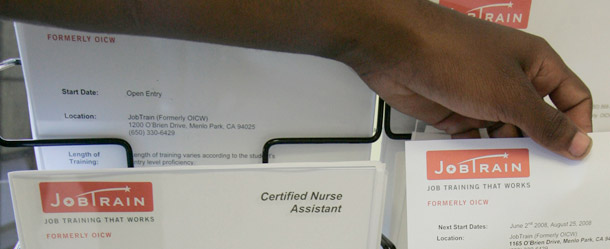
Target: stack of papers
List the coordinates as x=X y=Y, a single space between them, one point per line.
x=314 y=205
x=506 y=193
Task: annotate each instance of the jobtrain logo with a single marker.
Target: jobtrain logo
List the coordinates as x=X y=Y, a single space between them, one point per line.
x=512 y=13
x=75 y=197
x=473 y=164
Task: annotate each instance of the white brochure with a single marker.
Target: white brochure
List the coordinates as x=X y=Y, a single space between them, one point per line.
x=185 y=103
x=506 y=193
x=314 y=205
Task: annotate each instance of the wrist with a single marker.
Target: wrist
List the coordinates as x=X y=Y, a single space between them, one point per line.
x=380 y=31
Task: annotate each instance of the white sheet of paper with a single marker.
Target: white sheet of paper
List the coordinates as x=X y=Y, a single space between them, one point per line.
x=506 y=193
x=313 y=205
x=185 y=103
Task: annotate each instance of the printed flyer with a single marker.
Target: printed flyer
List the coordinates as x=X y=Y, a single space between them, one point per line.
x=306 y=205
x=181 y=103
x=506 y=193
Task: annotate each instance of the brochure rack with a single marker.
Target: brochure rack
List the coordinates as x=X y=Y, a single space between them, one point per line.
x=328 y=140
x=388 y=129
x=385 y=242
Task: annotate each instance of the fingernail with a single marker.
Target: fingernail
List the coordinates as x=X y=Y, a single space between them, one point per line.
x=580 y=145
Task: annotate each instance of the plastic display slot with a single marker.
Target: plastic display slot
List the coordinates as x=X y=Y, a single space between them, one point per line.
x=385 y=242
x=66 y=141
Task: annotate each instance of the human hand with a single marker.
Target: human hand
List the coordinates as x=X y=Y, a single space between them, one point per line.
x=459 y=74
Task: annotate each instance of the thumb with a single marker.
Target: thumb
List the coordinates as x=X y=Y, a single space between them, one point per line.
x=553 y=129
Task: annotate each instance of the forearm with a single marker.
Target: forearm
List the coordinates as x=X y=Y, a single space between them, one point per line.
x=450 y=70
x=325 y=28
